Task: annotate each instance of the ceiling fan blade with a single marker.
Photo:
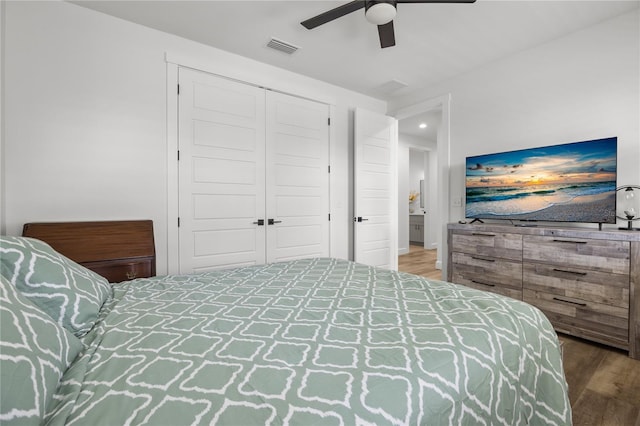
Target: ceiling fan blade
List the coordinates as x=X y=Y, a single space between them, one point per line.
x=436 y=1
x=332 y=14
x=387 y=37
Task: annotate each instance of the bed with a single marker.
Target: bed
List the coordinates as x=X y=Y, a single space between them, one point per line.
x=310 y=341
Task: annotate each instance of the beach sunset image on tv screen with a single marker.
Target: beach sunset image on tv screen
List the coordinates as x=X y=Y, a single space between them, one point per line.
x=574 y=182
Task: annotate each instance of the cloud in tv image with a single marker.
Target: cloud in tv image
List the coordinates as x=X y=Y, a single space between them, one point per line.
x=573 y=182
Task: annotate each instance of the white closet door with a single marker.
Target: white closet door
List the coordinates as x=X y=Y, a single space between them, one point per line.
x=375 y=181
x=221 y=172
x=297 y=177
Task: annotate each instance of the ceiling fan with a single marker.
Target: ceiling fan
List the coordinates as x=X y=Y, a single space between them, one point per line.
x=378 y=12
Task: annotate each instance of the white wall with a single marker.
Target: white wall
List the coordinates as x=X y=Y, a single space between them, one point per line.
x=85 y=108
x=582 y=86
x=431 y=201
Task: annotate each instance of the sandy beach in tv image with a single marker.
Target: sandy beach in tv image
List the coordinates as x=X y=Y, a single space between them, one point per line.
x=573 y=182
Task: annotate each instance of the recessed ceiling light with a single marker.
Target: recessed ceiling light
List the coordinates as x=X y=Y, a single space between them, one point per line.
x=423 y=125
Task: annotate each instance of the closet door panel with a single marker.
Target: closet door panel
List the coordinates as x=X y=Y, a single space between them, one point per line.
x=221 y=172
x=297 y=177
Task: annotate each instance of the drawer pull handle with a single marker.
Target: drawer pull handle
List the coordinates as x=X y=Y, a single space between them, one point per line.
x=486 y=260
x=569 y=272
x=569 y=241
x=481 y=234
x=478 y=282
x=569 y=301
x=131 y=275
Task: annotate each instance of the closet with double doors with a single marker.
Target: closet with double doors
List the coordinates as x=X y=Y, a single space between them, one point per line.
x=253 y=174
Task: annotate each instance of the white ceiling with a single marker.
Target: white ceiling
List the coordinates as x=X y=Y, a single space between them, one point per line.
x=411 y=125
x=434 y=42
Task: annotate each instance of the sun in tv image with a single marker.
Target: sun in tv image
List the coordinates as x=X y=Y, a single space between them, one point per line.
x=574 y=182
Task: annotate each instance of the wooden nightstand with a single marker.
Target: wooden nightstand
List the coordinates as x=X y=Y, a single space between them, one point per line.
x=117 y=250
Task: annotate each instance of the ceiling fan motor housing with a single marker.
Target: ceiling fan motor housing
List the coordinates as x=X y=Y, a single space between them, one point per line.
x=380 y=12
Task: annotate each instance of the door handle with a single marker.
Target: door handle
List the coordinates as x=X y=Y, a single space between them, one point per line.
x=359 y=219
x=260 y=222
x=273 y=221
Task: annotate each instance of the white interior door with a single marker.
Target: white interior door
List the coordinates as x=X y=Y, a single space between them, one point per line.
x=221 y=126
x=297 y=177
x=375 y=192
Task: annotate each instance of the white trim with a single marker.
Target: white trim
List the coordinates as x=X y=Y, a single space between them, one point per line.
x=246 y=76
x=417 y=147
x=394 y=195
x=173 y=262
x=444 y=159
x=337 y=205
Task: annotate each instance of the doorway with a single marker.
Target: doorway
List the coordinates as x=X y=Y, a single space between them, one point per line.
x=423 y=186
x=436 y=188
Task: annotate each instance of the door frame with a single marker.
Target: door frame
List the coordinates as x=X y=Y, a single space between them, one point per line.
x=444 y=159
x=173 y=236
x=337 y=160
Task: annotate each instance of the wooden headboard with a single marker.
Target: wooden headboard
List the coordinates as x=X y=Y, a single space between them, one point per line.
x=117 y=250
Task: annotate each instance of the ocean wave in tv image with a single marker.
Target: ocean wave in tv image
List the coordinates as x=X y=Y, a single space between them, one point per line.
x=510 y=201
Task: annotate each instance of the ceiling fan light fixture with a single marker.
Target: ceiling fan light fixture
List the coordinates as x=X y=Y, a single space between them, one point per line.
x=380 y=13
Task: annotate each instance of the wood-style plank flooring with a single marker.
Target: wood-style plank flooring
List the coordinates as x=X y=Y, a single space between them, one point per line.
x=604 y=383
x=420 y=262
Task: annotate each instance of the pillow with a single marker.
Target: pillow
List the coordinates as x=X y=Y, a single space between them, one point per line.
x=71 y=294
x=35 y=352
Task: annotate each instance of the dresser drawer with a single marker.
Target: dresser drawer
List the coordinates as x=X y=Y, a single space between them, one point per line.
x=493 y=244
x=116 y=271
x=595 y=321
x=601 y=255
x=485 y=273
x=577 y=283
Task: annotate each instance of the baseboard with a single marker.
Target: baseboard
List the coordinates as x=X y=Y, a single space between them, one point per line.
x=402 y=251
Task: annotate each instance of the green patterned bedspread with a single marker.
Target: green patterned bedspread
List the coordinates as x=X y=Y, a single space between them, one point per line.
x=314 y=341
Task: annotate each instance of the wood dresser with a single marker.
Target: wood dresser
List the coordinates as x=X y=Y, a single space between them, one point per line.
x=587 y=282
x=117 y=250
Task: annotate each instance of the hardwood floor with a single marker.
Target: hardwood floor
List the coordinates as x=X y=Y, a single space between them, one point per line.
x=604 y=383
x=420 y=262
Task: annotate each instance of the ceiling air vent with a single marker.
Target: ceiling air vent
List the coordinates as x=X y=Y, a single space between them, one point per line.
x=282 y=46
x=391 y=86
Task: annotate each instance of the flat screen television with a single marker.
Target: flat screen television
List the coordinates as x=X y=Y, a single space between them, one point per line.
x=573 y=182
